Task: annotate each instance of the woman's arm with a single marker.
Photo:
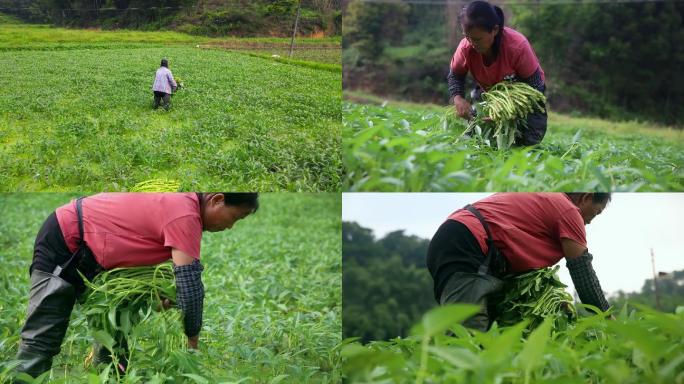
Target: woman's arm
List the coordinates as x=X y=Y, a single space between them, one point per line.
x=578 y=261
x=456 y=84
x=457 y=94
x=535 y=81
x=172 y=81
x=189 y=293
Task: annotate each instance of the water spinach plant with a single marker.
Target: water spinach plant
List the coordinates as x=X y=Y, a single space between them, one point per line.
x=392 y=147
x=640 y=346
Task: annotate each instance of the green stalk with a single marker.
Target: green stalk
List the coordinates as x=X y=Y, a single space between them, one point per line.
x=422 y=371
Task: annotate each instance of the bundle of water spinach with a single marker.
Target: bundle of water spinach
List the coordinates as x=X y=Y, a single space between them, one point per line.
x=502 y=113
x=157 y=185
x=118 y=300
x=534 y=296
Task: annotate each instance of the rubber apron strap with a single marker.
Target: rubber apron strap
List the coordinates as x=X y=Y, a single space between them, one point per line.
x=76 y=256
x=484 y=267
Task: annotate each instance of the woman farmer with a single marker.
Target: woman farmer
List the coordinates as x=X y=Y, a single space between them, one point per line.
x=111 y=230
x=164 y=85
x=493 y=53
x=511 y=233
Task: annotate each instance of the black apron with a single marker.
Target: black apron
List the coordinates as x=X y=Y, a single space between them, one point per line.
x=475 y=288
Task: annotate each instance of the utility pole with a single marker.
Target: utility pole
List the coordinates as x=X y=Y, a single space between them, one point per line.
x=655 y=280
x=294 y=30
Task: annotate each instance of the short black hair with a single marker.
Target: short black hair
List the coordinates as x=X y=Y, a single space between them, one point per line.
x=484 y=15
x=596 y=197
x=164 y=63
x=247 y=199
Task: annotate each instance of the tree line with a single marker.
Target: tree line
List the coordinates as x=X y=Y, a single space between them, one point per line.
x=386 y=287
x=618 y=61
x=201 y=17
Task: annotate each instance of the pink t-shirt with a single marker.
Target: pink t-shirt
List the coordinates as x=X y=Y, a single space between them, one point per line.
x=516 y=57
x=526 y=227
x=135 y=229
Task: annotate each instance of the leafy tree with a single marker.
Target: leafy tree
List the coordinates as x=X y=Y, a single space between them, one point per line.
x=385 y=285
x=670 y=291
x=207 y=17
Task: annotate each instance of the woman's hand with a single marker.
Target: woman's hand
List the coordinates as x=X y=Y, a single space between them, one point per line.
x=462 y=107
x=164 y=305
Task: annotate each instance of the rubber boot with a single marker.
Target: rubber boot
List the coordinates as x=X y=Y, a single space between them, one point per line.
x=50 y=303
x=33 y=363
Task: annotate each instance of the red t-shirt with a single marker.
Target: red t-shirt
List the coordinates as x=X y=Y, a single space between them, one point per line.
x=135 y=229
x=526 y=227
x=516 y=57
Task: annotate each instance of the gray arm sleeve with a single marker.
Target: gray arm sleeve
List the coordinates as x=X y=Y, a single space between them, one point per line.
x=585 y=281
x=456 y=84
x=190 y=295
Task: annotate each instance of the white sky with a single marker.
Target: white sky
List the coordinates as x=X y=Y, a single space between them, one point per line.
x=620 y=238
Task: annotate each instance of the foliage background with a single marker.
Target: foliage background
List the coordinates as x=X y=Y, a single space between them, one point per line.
x=200 y=17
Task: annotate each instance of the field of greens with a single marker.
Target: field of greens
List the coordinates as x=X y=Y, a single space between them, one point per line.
x=404 y=147
x=272 y=310
x=76 y=114
x=637 y=346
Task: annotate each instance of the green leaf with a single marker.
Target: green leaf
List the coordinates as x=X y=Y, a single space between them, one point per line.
x=503 y=345
x=126 y=321
x=93 y=378
x=534 y=348
x=458 y=357
x=278 y=379
x=360 y=359
x=647 y=342
x=104 y=376
x=577 y=136
x=104 y=338
x=364 y=136
x=440 y=319
x=196 y=378
x=112 y=317
x=671 y=368
x=24 y=377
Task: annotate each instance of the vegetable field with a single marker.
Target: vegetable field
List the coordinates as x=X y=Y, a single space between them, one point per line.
x=639 y=346
x=420 y=148
x=77 y=115
x=272 y=310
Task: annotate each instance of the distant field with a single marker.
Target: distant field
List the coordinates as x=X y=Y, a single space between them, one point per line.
x=409 y=147
x=77 y=117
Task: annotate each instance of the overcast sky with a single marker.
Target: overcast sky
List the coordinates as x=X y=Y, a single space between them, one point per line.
x=620 y=238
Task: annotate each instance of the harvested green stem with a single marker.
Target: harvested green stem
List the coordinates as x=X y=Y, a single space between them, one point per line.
x=534 y=296
x=118 y=299
x=502 y=113
x=157 y=185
